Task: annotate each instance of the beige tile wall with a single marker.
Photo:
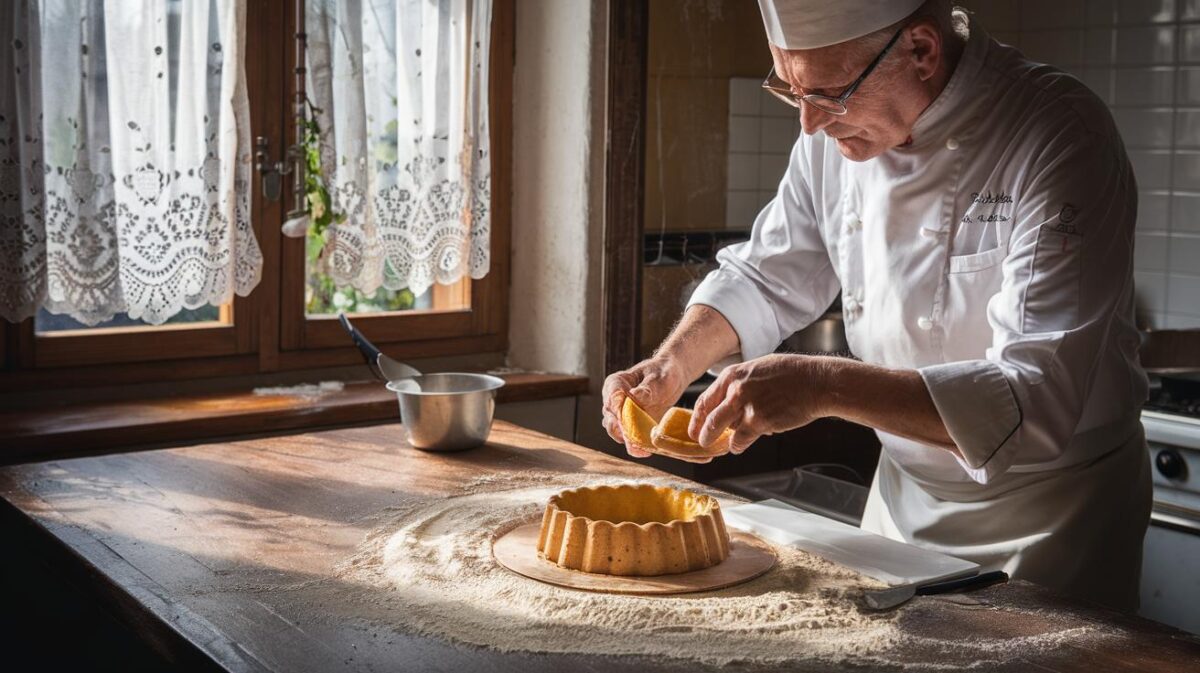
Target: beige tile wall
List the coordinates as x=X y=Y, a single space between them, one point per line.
x=1143 y=58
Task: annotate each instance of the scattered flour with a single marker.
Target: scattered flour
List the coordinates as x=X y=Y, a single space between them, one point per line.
x=433 y=558
x=303 y=389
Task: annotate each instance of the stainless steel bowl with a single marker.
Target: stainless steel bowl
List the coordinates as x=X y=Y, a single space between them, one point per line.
x=826 y=335
x=447 y=412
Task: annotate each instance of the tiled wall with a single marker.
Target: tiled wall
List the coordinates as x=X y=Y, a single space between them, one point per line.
x=1143 y=58
x=762 y=130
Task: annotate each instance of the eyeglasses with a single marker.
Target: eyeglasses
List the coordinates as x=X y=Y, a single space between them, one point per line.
x=834 y=105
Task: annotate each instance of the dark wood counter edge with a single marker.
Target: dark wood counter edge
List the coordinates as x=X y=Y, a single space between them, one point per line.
x=87 y=429
x=182 y=638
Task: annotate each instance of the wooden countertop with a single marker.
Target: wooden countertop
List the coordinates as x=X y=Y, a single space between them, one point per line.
x=283 y=511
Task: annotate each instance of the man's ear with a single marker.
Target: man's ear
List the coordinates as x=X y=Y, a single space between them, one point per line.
x=925 y=48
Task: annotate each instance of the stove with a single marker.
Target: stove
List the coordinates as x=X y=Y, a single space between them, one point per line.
x=1171 y=560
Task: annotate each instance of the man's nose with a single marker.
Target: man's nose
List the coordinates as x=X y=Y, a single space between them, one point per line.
x=812 y=119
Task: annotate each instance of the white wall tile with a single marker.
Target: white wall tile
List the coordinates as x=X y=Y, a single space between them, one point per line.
x=1054 y=14
x=1150 y=290
x=1188 y=86
x=770 y=169
x=1187 y=129
x=1056 y=47
x=745 y=96
x=1145 y=11
x=1190 y=9
x=1101 y=12
x=1098 y=46
x=1142 y=129
x=773 y=107
x=997 y=15
x=1185 y=213
x=777 y=135
x=1152 y=211
x=1184 y=255
x=743 y=134
x=1143 y=86
x=1189 y=44
x=1137 y=45
x=1183 y=294
x=1177 y=321
x=1099 y=80
x=1152 y=168
x=740 y=209
x=1150 y=252
x=742 y=171
x=1187 y=171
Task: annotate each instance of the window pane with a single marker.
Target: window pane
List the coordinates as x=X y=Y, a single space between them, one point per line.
x=323 y=298
x=45 y=321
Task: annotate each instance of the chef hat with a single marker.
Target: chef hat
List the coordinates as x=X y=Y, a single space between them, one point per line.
x=808 y=24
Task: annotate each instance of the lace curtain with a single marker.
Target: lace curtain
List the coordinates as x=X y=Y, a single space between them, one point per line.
x=402 y=89
x=124 y=158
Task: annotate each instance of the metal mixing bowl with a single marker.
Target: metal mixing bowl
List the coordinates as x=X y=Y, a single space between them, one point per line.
x=447 y=412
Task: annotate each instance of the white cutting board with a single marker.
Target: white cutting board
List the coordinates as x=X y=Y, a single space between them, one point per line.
x=872 y=555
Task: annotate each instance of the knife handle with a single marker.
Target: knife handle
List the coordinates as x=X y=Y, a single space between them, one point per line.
x=972 y=582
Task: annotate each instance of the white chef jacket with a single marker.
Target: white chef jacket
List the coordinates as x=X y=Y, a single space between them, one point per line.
x=993 y=254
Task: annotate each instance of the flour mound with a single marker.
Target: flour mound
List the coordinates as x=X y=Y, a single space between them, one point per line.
x=432 y=559
x=437 y=558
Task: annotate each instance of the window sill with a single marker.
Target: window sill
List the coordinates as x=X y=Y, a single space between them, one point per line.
x=86 y=429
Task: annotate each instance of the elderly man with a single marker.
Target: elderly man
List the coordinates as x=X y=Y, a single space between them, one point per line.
x=976 y=211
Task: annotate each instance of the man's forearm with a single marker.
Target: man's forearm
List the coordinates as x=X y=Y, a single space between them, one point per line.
x=702 y=338
x=892 y=400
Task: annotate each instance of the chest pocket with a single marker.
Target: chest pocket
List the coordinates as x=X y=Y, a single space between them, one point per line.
x=973 y=279
x=979 y=246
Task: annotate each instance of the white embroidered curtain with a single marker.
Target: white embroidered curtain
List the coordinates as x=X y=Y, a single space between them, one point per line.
x=402 y=86
x=124 y=158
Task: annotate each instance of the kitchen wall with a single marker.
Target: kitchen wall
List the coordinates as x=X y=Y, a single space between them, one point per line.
x=558 y=198
x=558 y=185
x=695 y=47
x=1143 y=58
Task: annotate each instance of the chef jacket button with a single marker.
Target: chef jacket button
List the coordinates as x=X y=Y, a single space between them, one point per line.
x=951 y=144
x=853 y=224
x=850 y=304
x=925 y=323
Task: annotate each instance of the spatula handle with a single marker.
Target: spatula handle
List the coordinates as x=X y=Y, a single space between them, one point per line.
x=972 y=582
x=368 y=349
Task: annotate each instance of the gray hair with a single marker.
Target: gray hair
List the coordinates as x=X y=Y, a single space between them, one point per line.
x=940 y=12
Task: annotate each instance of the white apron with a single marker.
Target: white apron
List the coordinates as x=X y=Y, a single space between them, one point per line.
x=994 y=255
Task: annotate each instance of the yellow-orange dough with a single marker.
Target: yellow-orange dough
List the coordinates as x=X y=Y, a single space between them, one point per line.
x=670 y=435
x=638 y=530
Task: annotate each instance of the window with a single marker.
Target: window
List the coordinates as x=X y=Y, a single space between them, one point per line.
x=289 y=320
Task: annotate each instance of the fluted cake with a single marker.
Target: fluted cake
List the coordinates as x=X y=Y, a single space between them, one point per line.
x=639 y=530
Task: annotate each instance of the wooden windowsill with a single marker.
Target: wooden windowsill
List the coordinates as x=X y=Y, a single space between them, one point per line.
x=85 y=429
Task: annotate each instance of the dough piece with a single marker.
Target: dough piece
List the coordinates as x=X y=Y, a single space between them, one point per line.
x=668 y=437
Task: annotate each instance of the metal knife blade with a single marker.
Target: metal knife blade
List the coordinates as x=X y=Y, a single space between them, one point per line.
x=886 y=599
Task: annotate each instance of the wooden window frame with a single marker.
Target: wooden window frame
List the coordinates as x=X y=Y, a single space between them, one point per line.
x=269 y=330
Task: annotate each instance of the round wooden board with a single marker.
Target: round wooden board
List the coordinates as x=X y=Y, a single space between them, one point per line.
x=748 y=558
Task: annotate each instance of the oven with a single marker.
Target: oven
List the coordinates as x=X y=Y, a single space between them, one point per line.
x=1170 y=586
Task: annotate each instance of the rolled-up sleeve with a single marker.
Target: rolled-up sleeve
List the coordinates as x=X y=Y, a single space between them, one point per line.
x=1067 y=281
x=782 y=278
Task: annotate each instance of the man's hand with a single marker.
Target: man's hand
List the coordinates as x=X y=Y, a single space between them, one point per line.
x=655 y=385
x=764 y=396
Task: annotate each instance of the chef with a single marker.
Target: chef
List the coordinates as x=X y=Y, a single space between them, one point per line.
x=976 y=212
